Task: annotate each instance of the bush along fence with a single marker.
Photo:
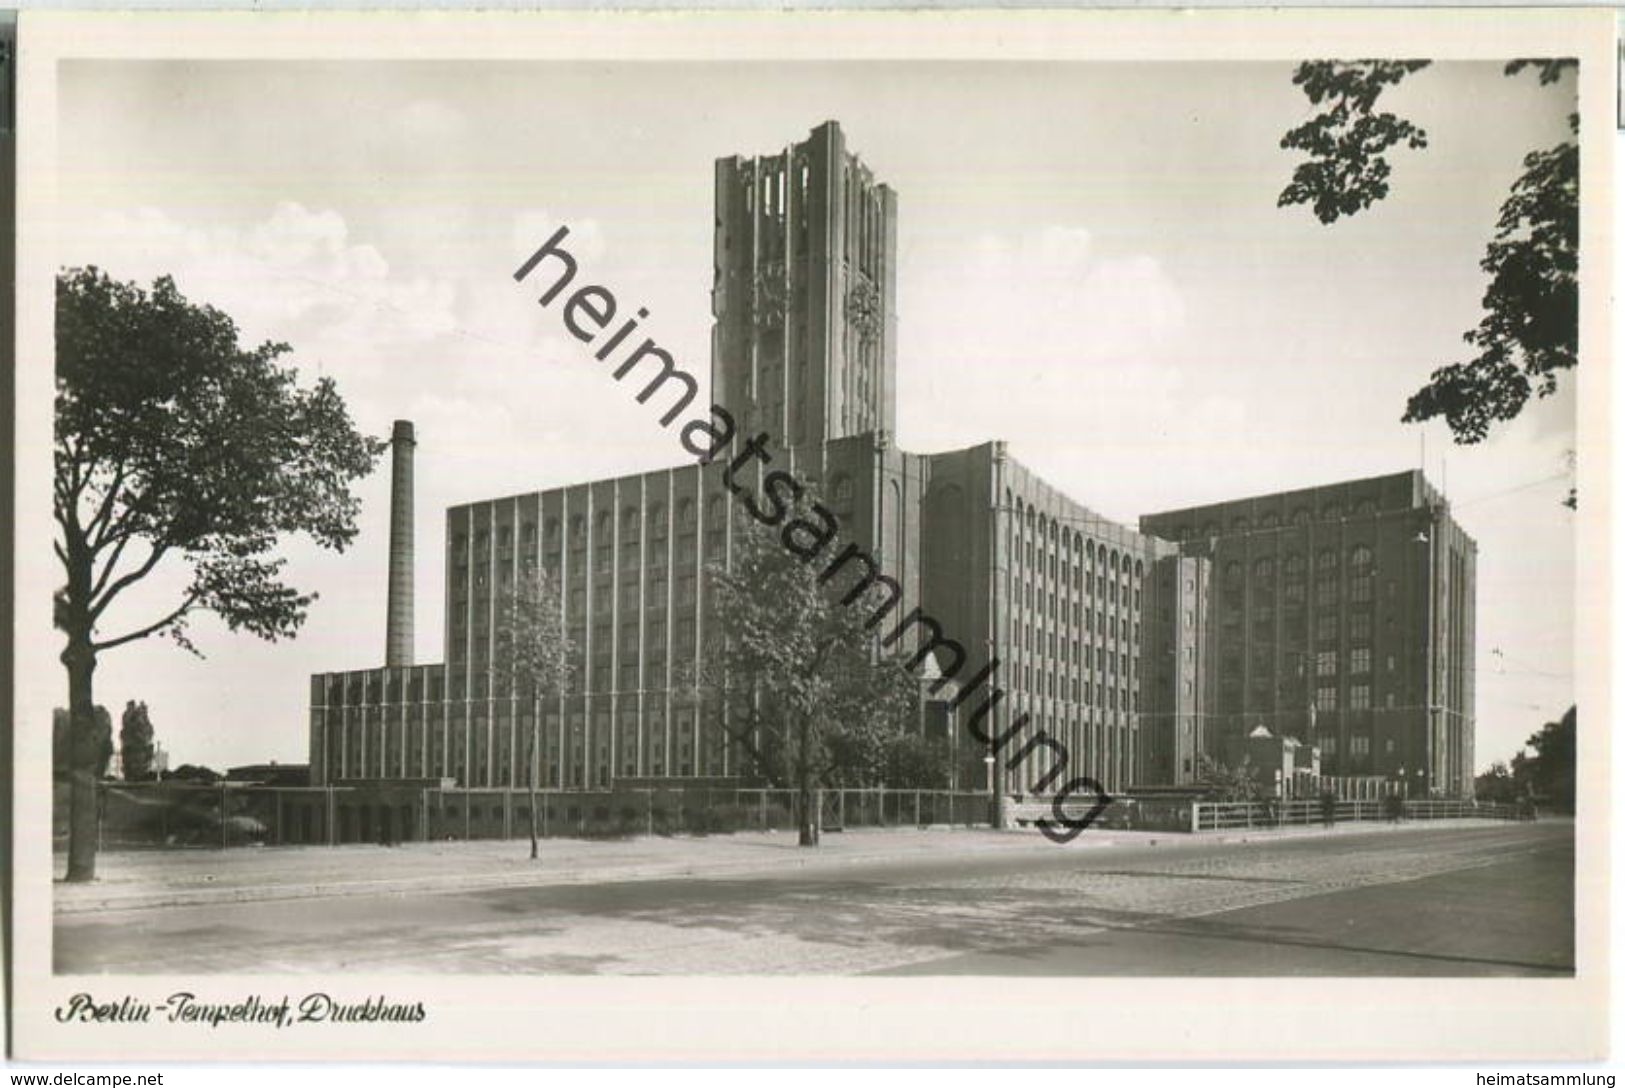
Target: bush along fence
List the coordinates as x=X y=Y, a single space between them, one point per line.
x=170 y=815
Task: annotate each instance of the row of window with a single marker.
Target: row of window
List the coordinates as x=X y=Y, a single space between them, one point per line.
x=1301 y=515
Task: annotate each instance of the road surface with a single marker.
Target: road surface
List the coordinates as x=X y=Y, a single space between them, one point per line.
x=1488 y=899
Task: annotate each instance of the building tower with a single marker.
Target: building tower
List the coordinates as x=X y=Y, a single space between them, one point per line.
x=398 y=626
x=804 y=343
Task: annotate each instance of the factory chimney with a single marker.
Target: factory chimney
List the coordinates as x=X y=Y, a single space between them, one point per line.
x=398 y=633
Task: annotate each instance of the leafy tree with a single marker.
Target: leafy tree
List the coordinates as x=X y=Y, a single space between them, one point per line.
x=1549 y=773
x=533 y=654
x=1227 y=783
x=135 y=743
x=813 y=701
x=1497 y=785
x=192 y=772
x=177 y=448
x=915 y=762
x=1530 y=328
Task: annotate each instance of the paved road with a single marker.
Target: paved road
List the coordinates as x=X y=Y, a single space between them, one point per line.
x=1483 y=900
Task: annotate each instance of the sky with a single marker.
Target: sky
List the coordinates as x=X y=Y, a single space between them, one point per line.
x=1092 y=266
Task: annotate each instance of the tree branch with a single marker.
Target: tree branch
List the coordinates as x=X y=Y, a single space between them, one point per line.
x=112 y=564
x=105 y=513
x=186 y=606
x=158 y=551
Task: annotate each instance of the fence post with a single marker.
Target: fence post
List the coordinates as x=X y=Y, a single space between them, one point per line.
x=762 y=809
x=1196 y=816
x=649 y=811
x=916 y=808
x=332 y=818
x=225 y=836
x=840 y=807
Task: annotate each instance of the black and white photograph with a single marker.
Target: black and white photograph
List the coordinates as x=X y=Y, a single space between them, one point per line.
x=831 y=510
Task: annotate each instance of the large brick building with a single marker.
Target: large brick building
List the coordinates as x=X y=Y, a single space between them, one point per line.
x=1342 y=615
x=1136 y=651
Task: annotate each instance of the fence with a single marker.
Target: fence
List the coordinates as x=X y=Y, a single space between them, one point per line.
x=1217 y=816
x=176 y=816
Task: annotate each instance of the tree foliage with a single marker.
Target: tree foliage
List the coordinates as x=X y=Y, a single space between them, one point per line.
x=916 y=762
x=1347 y=142
x=176 y=448
x=812 y=702
x=1549 y=773
x=533 y=652
x=533 y=659
x=192 y=772
x=135 y=742
x=172 y=442
x=1497 y=786
x=1230 y=783
x=1530 y=328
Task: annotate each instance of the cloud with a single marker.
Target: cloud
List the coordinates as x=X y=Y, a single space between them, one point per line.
x=295 y=275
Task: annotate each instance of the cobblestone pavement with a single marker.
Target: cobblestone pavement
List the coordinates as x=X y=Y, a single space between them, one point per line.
x=873 y=914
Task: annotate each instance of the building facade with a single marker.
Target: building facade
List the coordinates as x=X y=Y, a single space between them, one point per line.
x=1342 y=615
x=1121 y=646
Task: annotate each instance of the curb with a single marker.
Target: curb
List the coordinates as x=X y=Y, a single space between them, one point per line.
x=553 y=877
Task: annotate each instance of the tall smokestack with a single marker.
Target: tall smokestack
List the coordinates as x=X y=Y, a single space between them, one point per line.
x=398 y=634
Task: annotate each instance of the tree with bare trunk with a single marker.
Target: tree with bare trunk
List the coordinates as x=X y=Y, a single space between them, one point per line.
x=532 y=660
x=178 y=449
x=810 y=695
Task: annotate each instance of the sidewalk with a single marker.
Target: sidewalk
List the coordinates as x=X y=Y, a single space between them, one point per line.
x=149 y=879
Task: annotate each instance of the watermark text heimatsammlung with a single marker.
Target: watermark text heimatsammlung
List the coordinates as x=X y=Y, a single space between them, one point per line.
x=590 y=311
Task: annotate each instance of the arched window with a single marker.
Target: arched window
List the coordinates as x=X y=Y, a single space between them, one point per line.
x=1264 y=567
x=1232 y=571
x=1300 y=516
x=685 y=513
x=1326 y=578
x=1293 y=571
x=657 y=521
x=840 y=492
x=550 y=530
x=629 y=521
x=578 y=529
x=1365 y=508
x=1331 y=512
x=1360 y=580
